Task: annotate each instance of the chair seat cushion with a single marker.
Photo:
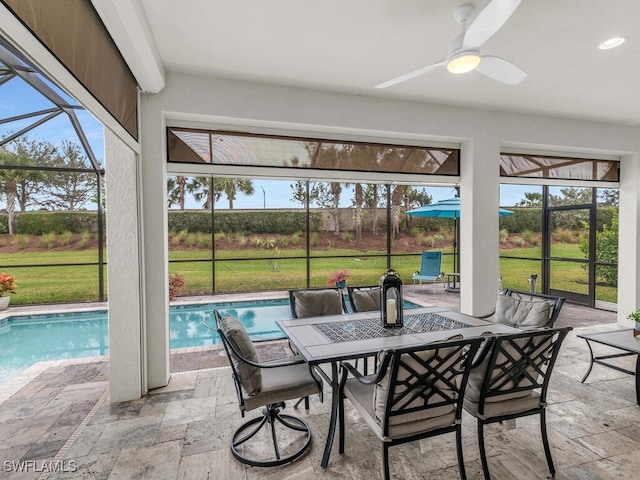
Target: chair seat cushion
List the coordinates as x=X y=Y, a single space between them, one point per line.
x=504 y=407
x=250 y=376
x=314 y=303
x=366 y=299
x=283 y=383
x=361 y=397
x=517 y=312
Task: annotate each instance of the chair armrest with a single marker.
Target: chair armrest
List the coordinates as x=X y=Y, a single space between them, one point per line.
x=347 y=369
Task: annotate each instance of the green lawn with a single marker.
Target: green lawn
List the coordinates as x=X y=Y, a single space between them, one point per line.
x=54 y=284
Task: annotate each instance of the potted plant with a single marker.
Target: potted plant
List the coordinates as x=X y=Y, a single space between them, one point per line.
x=7 y=286
x=338 y=278
x=635 y=316
x=177 y=284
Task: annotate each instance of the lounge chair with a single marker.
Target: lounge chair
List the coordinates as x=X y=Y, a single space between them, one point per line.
x=430 y=269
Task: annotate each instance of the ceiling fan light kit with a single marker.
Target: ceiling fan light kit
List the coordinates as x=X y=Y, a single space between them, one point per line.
x=464 y=52
x=463 y=62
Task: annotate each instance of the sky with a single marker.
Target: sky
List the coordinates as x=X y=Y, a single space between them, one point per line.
x=17 y=97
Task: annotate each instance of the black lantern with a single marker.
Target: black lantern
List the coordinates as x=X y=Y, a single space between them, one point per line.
x=391 y=299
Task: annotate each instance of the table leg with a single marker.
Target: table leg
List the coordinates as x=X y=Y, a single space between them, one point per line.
x=334 y=414
x=590 y=363
x=638 y=379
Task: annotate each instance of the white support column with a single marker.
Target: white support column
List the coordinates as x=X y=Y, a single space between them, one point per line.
x=126 y=366
x=154 y=183
x=629 y=239
x=479 y=237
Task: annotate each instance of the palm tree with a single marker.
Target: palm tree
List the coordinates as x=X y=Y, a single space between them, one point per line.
x=176 y=191
x=230 y=187
x=202 y=190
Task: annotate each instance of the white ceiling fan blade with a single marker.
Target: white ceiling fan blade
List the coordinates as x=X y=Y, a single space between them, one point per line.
x=410 y=75
x=501 y=70
x=489 y=22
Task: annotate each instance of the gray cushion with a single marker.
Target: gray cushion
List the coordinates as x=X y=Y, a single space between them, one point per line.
x=444 y=392
x=250 y=376
x=360 y=397
x=517 y=312
x=477 y=375
x=314 y=303
x=366 y=299
x=283 y=383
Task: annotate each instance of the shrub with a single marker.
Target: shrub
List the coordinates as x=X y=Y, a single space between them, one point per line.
x=204 y=240
x=177 y=285
x=347 y=236
x=504 y=235
x=427 y=241
x=295 y=238
x=65 y=238
x=606 y=251
x=438 y=237
x=21 y=240
x=530 y=237
x=517 y=241
x=564 y=235
x=314 y=239
x=85 y=238
x=47 y=241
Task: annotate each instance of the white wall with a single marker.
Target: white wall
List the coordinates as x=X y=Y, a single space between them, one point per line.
x=125 y=280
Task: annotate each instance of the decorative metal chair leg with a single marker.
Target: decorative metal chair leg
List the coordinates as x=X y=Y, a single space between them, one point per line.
x=545 y=442
x=385 y=460
x=306 y=403
x=274 y=438
x=270 y=415
x=463 y=473
x=483 y=453
x=341 y=425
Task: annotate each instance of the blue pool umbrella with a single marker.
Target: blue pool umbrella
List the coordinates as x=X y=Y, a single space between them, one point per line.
x=449 y=208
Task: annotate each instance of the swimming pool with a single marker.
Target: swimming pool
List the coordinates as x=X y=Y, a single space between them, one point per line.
x=26 y=340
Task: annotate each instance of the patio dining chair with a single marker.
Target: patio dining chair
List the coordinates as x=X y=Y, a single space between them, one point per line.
x=364 y=298
x=268 y=385
x=525 y=309
x=416 y=393
x=316 y=302
x=509 y=379
x=430 y=269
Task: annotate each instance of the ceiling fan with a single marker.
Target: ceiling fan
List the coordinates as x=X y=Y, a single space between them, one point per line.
x=464 y=52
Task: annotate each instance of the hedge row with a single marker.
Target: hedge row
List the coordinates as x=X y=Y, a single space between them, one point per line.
x=530 y=219
x=274 y=221
x=41 y=223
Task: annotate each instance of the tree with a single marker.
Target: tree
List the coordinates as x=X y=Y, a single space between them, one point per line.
x=531 y=199
x=358 y=203
x=70 y=190
x=397 y=197
x=230 y=187
x=609 y=197
x=571 y=196
x=176 y=191
x=606 y=251
x=372 y=201
x=22 y=186
x=202 y=190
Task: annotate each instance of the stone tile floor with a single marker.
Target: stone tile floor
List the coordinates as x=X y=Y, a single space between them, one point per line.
x=58 y=424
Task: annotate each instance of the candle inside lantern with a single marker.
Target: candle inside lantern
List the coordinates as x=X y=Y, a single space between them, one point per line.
x=391 y=311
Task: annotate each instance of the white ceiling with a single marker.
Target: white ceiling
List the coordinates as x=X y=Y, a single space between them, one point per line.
x=352 y=45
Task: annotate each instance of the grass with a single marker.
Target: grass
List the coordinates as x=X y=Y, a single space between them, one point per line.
x=52 y=284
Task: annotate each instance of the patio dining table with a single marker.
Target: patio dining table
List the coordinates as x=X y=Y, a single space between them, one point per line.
x=331 y=339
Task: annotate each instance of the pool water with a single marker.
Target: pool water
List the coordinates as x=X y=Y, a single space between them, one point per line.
x=26 y=340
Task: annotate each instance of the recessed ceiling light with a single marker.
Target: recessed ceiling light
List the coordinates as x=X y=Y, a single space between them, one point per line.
x=611 y=43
